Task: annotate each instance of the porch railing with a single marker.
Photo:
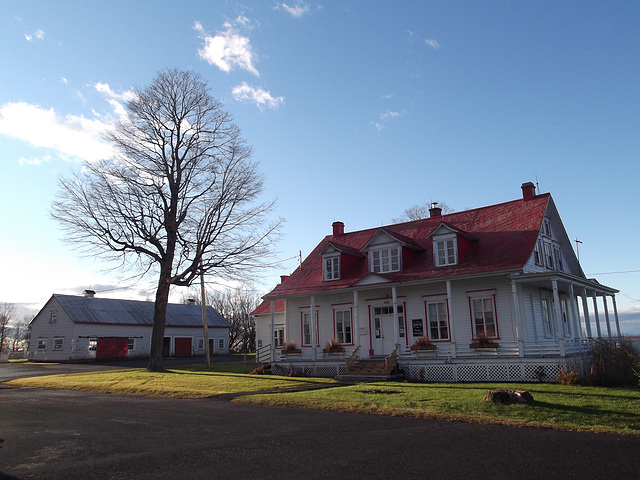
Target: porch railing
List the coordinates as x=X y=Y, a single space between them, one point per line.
x=351 y=359
x=391 y=361
x=263 y=354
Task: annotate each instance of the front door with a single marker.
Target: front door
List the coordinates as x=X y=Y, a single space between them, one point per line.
x=384 y=335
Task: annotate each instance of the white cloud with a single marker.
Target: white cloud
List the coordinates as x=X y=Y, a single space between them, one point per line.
x=263 y=99
x=228 y=49
x=34 y=160
x=71 y=135
x=297 y=10
x=432 y=43
x=384 y=119
x=37 y=35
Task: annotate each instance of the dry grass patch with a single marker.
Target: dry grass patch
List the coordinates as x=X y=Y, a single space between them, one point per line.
x=189 y=382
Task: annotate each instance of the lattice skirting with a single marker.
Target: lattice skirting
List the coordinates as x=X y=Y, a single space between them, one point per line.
x=485 y=372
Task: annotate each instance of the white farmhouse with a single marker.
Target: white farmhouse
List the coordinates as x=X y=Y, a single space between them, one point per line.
x=492 y=293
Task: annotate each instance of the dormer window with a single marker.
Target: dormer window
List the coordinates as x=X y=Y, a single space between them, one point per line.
x=332 y=267
x=446 y=252
x=384 y=260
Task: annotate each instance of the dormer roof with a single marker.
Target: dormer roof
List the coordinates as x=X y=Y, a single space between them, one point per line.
x=386 y=235
x=444 y=228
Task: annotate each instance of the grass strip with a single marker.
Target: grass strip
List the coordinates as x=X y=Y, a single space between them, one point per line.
x=612 y=410
x=189 y=382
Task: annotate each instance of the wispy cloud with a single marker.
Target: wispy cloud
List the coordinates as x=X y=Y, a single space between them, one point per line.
x=37 y=35
x=72 y=136
x=384 y=118
x=297 y=10
x=433 y=43
x=227 y=49
x=263 y=99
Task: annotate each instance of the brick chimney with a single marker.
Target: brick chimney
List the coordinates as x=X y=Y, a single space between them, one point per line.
x=528 y=191
x=89 y=293
x=435 y=210
x=338 y=229
x=283 y=278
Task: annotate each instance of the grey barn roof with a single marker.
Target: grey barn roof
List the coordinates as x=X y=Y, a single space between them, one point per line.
x=109 y=311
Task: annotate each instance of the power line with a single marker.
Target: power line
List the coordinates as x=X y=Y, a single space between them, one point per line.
x=614 y=273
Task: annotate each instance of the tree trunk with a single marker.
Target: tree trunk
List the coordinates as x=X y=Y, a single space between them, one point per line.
x=159 y=321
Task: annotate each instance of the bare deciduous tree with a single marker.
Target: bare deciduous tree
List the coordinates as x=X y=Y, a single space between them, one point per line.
x=21 y=334
x=418 y=212
x=179 y=198
x=235 y=305
x=7 y=313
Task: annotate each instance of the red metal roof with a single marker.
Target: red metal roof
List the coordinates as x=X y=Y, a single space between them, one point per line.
x=504 y=237
x=265 y=307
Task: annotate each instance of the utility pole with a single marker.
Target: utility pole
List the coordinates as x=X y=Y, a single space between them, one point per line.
x=204 y=319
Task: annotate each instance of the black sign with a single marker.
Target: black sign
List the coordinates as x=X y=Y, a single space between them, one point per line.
x=418 y=329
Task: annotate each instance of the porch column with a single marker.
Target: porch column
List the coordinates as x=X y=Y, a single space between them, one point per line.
x=585 y=311
x=356 y=318
x=516 y=306
x=452 y=335
x=615 y=315
x=273 y=331
x=595 y=311
x=558 y=313
x=396 y=328
x=574 y=313
x=606 y=315
x=314 y=323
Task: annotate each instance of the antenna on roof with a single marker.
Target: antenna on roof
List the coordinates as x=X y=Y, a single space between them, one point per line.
x=537 y=186
x=578 y=248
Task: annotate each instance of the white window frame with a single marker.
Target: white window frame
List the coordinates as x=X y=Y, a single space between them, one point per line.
x=58 y=343
x=385 y=259
x=53 y=315
x=200 y=343
x=306 y=328
x=438 y=320
x=538 y=253
x=548 y=255
x=564 y=308
x=42 y=344
x=131 y=343
x=278 y=336
x=480 y=321
x=445 y=251
x=331 y=267
x=344 y=326
x=93 y=344
x=221 y=343
x=557 y=255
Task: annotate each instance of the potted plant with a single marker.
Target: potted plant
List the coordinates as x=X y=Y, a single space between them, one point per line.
x=334 y=346
x=290 y=346
x=482 y=340
x=422 y=343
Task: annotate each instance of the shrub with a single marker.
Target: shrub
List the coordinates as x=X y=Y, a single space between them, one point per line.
x=291 y=345
x=423 y=341
x=613 y=363
x=568 y=378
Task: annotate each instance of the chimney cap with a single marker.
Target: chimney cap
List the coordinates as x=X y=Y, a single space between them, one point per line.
x=89 y=293
x=528 y=190
x=338 y=228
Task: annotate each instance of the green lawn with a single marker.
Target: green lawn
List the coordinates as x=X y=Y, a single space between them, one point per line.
x=564 y=407
x=615 y=410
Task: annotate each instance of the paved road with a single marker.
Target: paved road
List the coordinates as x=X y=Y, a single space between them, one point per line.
x=56 y=434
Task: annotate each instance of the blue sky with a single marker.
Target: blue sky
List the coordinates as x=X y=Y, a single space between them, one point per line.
x=356 y=110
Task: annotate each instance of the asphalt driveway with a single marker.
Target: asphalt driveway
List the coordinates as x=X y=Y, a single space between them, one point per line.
x=56 y=434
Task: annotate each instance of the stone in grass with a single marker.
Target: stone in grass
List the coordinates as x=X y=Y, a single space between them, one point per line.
x=508 y=397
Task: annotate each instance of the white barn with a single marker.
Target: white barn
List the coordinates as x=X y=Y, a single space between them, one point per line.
x=75 y=328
